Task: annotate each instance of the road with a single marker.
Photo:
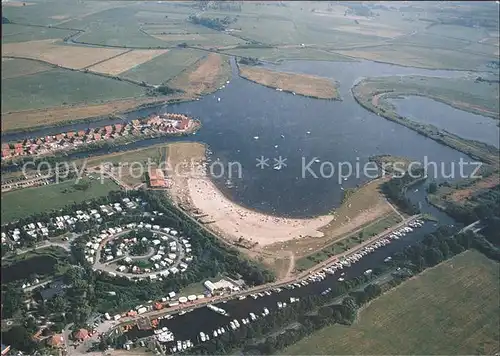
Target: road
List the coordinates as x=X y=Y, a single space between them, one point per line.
x=261 y=288
x=44 y=244
x=105 y=266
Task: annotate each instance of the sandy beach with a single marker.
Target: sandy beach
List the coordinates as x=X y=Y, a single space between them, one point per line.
x=196 y=193
x=239 y=222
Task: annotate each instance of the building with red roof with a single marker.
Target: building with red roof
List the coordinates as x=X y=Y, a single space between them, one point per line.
x=81 y=334
x=56 y=340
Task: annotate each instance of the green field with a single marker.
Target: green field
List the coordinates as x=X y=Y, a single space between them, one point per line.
x=25 y=202
x=21 y=33
x=451 y=309
x=13 y=68
x=462 y=93
x=280 y=54
x=62 y=87
x=164 y=67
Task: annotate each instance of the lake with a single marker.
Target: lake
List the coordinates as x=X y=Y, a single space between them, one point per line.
x=458 y=122
x=298 y=129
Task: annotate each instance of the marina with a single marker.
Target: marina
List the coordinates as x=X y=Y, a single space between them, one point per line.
x=244 y=311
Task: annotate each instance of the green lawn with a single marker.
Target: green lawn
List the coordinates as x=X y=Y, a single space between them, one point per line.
x=451 y=309
x=165 y=67
x=25 y=202
x=59 y=87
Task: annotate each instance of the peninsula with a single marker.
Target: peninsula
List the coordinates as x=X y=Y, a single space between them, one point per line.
x=301 y=84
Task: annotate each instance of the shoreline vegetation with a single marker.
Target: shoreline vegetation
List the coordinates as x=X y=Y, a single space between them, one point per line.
x=369 y=94
x=300 y=84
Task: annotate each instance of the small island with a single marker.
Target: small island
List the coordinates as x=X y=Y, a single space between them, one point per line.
x=301 y=84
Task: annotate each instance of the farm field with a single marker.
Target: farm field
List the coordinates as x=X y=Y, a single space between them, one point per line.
x=307 y=85
x=125 y=61
x=432 y=58
x=53 y=12
x=278 y=54
x=206 y=76
x=14 y=68
x=56 y=115
x=204 y=40
x=62 y=87
x=450 y=309
x=66 y=56
x=20 y=33
x=24 y=202
x=164 y=67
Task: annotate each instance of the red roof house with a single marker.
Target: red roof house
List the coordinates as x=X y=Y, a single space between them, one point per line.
x=56 y=340
x=81 y=335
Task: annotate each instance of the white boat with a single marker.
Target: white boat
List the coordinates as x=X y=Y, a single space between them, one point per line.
x=215 y=333
x=217 y=310
x=203 y=337
x=340 y=279
x=256 y=137
x=242 y=297
x=368 y=272
x=308 y=132
x=232 y=325
x=218 y=99
x=282 y=136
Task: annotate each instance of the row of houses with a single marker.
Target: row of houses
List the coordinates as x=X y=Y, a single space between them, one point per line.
x=167 y=123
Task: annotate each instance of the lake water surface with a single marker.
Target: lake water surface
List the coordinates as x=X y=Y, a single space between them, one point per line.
x=445 y=117
x=300 y=130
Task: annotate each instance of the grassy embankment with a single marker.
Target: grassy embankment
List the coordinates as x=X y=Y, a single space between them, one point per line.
x=449 y=309
x=24 y=202
x=364 y=207
x=302 y=84
x=348 y=241
x=465 y=93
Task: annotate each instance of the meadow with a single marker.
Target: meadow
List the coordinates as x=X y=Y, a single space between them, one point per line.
x=477 y=97
x=62 y=87
x=29 y=201
x=451 y=309
x=164 y=67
